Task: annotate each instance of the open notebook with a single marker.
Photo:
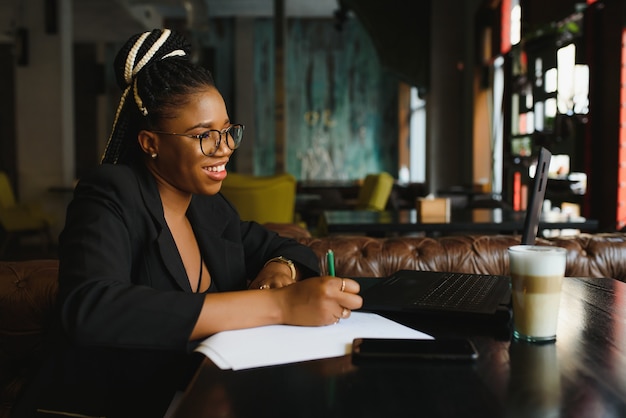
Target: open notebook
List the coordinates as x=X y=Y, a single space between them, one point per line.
x=458 y=294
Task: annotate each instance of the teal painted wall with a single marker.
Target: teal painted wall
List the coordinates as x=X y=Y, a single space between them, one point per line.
x=341 y=111
x=264 y=156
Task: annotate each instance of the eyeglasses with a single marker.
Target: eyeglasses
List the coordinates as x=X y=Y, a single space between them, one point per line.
x=210 y=140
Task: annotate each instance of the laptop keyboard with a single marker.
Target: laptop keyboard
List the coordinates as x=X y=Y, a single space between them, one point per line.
x=458 y=290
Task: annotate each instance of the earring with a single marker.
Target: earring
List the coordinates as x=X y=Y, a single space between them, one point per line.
x=153 y=155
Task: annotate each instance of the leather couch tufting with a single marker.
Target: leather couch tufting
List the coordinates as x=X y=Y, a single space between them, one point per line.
x=28 y=288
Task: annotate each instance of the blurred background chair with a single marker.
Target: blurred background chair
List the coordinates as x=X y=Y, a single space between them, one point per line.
x=19 y=219
x=375 y=191
x=264 y=199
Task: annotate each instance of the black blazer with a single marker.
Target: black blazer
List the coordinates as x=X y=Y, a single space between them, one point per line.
x=120 y=346
x=119 y=264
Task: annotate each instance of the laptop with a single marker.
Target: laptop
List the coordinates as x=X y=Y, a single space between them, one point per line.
x=535 y=199
x=455 y=294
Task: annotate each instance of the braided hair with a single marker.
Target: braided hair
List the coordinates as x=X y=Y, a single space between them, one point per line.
x=156 y=76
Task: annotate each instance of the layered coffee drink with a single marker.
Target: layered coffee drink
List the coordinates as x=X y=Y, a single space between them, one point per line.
x=536 y=276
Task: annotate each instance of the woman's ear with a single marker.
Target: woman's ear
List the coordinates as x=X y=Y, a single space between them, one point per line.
x=148 y=142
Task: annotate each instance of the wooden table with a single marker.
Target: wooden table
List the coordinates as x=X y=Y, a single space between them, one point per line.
x=583 y=374
x=461 y=220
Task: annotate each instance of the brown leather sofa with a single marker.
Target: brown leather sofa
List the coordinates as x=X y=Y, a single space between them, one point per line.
x=28 y=288
x=589 y=255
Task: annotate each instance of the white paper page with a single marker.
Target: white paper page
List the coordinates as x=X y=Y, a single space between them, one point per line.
x=281 y=344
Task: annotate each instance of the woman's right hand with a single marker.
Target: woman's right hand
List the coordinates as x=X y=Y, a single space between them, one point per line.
x=311 y=302
x=319 y=300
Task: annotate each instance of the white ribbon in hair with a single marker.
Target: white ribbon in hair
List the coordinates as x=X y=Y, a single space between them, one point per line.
x=175 y=53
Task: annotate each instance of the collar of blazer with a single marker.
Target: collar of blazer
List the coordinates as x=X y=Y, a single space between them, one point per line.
x=202 y=213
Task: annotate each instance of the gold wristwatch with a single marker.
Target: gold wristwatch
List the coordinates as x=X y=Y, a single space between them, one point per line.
x=287 y=262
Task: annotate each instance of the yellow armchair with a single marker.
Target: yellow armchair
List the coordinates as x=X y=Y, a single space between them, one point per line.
x=375 y=192
x=264 y=199
x=18 y=219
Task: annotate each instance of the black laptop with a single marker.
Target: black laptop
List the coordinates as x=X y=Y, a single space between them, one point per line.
x=458 y=294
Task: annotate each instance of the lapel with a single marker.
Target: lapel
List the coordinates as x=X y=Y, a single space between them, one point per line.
x=209 y=222
x=164 y=240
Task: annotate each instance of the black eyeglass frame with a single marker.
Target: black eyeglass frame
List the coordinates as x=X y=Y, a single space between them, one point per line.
x=207 y=134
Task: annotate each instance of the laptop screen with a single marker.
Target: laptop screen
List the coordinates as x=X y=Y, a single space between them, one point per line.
x=535 y=198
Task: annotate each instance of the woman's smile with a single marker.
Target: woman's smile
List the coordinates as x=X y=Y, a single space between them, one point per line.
x=216 y=172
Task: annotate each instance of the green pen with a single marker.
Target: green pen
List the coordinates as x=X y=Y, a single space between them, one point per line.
x=330 y=261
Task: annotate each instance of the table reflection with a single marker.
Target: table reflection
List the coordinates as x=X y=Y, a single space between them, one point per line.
x=535 y=383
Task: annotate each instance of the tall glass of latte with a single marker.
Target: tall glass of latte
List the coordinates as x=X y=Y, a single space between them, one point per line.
x=536 y=276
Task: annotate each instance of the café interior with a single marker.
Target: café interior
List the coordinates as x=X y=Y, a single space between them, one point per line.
x=348 y=105
x=369 y=120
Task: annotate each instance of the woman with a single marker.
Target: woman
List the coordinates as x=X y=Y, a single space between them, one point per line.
x=152 y=257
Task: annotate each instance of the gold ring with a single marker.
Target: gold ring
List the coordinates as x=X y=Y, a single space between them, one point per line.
x=264 y=286
x=343 y=285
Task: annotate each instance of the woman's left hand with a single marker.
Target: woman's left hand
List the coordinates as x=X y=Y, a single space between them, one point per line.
x=272 y=276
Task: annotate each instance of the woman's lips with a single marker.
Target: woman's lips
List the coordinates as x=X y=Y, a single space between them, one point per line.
x=216 y=172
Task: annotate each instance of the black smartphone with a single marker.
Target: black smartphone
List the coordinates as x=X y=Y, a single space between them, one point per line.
x=385 y=349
